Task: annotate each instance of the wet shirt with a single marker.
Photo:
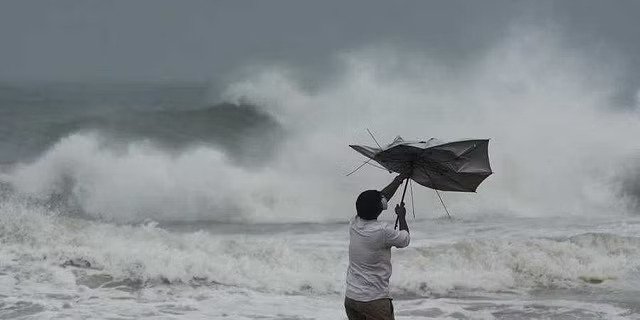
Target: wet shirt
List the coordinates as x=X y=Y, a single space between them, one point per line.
x=370 y=258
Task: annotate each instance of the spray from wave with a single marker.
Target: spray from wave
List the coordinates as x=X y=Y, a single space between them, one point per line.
x=558 y=147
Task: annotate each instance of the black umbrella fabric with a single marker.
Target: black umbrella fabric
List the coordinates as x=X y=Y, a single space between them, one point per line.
x=451 y=166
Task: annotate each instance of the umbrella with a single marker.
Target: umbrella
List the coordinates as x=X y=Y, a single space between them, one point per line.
x=447 y=166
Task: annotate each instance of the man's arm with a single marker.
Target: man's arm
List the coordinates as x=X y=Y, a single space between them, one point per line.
x=402 y=217
x=390 y=190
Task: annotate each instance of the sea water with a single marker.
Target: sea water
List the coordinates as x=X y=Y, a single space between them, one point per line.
x=133 y=200
x=491 y=268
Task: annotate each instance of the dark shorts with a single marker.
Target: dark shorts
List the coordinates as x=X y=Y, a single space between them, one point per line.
x=381 y=309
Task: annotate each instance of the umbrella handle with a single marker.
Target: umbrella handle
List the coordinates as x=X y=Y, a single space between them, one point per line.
x=402 y=200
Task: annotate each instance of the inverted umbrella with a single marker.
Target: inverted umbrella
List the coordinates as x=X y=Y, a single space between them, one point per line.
x=447 y=166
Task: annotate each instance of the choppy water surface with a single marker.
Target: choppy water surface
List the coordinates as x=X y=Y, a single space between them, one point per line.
x=498 y=268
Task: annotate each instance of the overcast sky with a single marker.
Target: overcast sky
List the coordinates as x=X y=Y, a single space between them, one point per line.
x=204 y=40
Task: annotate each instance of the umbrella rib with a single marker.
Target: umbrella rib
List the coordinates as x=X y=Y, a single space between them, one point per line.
x=423 y=169
x=443 y=205
x=437 y=193
x=468 y=150
x=363 y=164
x=379 y=167
x=413 y=207
x=358 y=168
x=434 y=161
x=374 y=139
x=443 y=161
x=444 y=175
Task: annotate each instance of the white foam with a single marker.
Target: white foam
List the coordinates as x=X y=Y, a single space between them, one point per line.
x=557 y=146
x=305 y=262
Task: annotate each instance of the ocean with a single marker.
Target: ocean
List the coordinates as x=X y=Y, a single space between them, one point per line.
x=60 y=267
x=167 y=201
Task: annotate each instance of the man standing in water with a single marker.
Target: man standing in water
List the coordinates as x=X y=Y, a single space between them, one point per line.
x=367 y=296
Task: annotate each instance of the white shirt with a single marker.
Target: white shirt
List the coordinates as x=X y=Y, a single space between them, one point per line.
x=370 y=258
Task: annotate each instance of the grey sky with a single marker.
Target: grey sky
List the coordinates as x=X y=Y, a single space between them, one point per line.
x=203 y=40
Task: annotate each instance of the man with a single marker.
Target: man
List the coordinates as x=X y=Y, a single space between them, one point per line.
x=367 y=296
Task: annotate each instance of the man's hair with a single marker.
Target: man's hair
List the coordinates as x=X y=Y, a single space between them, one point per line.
x=368 y=204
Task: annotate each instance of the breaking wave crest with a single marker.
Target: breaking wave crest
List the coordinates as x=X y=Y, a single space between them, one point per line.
x=524 y=264
x=100 y=254
x=558 y=144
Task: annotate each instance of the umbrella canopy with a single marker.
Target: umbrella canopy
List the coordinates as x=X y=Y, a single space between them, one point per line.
x=452 y=166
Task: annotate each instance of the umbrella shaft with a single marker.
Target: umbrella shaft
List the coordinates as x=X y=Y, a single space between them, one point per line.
x=405 y=190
